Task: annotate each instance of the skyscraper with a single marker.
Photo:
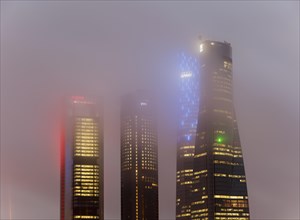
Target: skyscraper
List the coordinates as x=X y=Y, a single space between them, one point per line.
x=188 y=118
x=82 y=161
x=139 y=162
x=219 y=188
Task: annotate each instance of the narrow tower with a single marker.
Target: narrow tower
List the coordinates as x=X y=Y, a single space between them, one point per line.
x=82 y=161
x=219 y=189
x=188 y=118
x=139 y=165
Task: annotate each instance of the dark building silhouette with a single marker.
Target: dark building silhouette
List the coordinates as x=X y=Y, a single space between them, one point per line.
x=82 y=161
x=139 y=162
x=188 y=118
x=219 y=186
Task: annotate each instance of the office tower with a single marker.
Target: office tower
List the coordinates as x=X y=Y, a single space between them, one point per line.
x=188 y=118
x=219 y=188
x=139 y=165
x=82 y=160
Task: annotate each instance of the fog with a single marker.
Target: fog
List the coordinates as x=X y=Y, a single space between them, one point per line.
x=51 y=50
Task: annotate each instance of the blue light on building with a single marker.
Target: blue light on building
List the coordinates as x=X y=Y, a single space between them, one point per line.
x=188 y=77
x=189 y=96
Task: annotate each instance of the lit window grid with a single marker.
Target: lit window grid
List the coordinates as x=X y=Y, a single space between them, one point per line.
x=86 y=144
x=86 y=138
x=86 y=217
x=148 y=141
x=86 y=180
x=138 y=153
x=221 y=151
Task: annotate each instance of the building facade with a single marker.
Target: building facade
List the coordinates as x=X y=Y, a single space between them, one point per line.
x=188 y=119
x=219 y=186
x=82 y=161
x=139 y=161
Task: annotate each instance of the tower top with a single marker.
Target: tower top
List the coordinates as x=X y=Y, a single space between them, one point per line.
x=217 y=48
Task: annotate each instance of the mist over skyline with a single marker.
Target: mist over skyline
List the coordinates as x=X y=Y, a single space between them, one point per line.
x=51 y=50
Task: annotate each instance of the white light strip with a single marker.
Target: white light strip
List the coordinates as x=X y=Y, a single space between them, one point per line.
x=186 y=74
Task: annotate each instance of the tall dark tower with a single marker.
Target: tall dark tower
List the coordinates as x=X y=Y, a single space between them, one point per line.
x=82 y=161
x=188 y=118
x=139 y=164
x=219 y=189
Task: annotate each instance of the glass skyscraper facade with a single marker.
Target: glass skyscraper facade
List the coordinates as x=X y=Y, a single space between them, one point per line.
x=82 y=160
x=139 y=161
x=219 y=184
x=187 y=126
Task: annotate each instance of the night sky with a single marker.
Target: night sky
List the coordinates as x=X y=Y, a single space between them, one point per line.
x=50 y=50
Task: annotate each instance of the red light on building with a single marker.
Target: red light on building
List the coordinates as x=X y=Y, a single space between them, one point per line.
x=77 y=98
x=81 y=100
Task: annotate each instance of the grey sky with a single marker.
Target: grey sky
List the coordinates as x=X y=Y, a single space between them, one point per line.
x=51 y=49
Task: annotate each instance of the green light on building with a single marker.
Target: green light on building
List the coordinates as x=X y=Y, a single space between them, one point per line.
x=220 y=139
